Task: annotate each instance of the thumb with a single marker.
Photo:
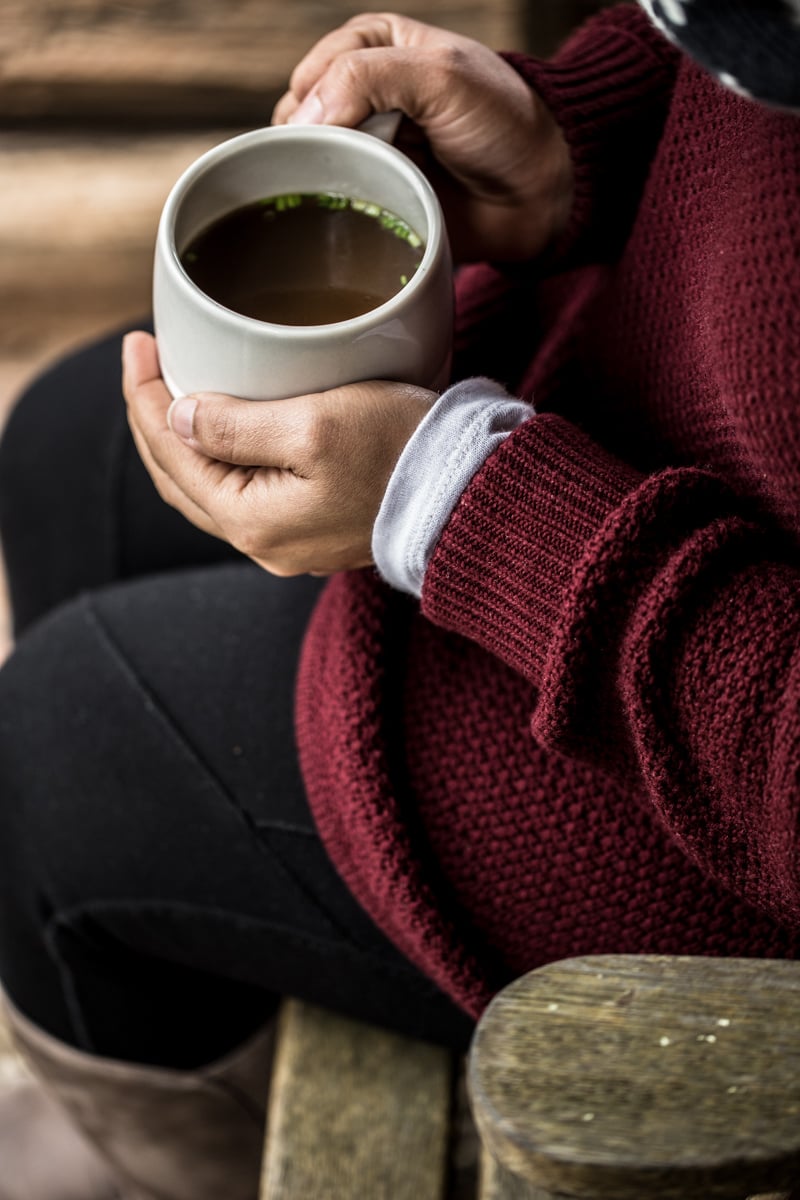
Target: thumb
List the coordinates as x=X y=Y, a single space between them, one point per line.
x=180 y=418
x=247 y=433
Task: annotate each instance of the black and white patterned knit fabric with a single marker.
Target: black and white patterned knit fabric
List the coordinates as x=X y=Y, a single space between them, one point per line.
x=752 y=46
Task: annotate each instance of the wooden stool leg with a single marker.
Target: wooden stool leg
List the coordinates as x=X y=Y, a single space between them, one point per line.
x=496 y=1183
x=641 y=1078
x=356 y=1113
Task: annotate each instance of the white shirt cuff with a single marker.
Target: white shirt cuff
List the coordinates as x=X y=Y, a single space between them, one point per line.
x=454 y=439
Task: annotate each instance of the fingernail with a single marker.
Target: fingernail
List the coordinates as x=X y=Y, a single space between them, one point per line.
x=310 y=112
x=180 y=416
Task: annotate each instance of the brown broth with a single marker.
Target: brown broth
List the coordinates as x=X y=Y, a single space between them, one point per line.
x=304 y=260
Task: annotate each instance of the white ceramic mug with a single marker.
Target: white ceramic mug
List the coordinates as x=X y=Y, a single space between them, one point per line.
x=204 y=346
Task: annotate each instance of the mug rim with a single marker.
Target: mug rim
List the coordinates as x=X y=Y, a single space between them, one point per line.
x=304 y=133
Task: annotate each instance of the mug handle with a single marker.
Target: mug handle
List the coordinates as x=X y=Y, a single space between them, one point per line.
x=383 y=125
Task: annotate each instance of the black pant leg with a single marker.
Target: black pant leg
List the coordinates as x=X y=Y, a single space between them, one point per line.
x=77 y=508
x=161 y=879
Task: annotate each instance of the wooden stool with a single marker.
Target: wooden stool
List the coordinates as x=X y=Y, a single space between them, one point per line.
x=624 y=1078
x=355 y=1112
x=605 y=1078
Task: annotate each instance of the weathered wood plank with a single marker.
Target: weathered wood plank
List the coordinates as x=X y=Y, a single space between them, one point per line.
x=72 y=202
x=172 y=61
x=614 y=1078
x=545 y=26
x=78 y=217
x=355 y=1112
x=465 y=1147
x=496 y=1183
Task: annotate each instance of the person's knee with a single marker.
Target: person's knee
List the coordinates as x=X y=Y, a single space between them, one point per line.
x=87 y=754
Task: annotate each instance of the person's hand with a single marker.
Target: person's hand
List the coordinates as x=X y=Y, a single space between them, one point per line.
x=294 y=484
x=491 y=148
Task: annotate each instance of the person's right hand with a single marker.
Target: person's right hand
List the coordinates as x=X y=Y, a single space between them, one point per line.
x=491 y=148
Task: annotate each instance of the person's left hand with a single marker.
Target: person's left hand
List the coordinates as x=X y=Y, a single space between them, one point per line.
x=294 y=484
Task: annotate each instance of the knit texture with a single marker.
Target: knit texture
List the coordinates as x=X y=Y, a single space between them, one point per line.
x=586 y=740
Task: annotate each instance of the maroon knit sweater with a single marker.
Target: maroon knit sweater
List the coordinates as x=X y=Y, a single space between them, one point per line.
x=587 y=738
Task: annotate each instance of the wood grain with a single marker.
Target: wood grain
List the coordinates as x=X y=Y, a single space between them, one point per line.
x=178 y=61
x=78 y=201
x=78 y=217
x=355 y=1112
x=622 y=1077
x=465 y=1152
x=496 y=1183
x=545 y=26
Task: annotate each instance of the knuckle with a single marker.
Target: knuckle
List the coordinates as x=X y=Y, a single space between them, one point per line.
x=217 y=427
x=345 y=75
x=370 y=20
x=386 y=23
x=451 y=62
x=320 y=436
x=359 y=19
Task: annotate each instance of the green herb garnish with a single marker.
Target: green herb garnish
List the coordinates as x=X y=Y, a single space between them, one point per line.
x=331 y=200
x=281 y=203
x=335 y=202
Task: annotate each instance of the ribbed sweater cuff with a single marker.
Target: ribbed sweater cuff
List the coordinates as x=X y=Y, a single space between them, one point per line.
x=504 y=565
x=608 y=90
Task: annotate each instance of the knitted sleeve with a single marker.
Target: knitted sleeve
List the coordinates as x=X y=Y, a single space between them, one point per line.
x=609 y=89
x=656 y=610
x=660 y=623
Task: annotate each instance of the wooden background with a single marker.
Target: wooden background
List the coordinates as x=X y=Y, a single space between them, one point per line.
x=102 y=105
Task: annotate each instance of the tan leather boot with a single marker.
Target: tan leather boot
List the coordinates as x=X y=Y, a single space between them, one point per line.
x=168 y=1135
x=42 y=1154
